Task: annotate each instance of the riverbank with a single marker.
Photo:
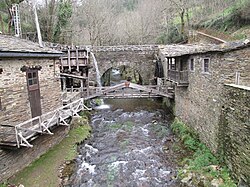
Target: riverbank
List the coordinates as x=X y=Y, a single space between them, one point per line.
x=45 y=170
x=201 y=167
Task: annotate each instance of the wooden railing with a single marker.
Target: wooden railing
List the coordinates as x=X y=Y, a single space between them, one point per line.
x=129 y=90
x=26 y=131
x=180 y=77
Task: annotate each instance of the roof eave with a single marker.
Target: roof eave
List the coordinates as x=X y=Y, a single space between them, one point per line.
x=29 y=54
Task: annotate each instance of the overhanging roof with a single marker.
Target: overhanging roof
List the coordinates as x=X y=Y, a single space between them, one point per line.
x=15 y=47
x=189 y=49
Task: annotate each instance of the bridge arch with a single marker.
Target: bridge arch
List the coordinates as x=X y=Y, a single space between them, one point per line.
x=140 y=59
x=115 y=75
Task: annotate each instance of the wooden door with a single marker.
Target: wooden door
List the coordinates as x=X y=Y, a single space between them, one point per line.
x=34 y=92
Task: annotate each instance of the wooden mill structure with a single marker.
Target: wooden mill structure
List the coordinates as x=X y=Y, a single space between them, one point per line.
x=74 y=67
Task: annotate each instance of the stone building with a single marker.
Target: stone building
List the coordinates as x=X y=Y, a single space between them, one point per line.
x=28 y=82
x=29 y=87
x=202 y=75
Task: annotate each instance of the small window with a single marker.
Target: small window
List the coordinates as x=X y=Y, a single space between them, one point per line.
x=1 y=70
x=191 y=65
x=32 y=78
x=206 y=63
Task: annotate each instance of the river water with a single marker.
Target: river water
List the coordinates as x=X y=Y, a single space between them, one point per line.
x=127 y=147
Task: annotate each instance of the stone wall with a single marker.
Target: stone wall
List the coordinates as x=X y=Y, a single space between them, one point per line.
x=234 y=130
x=236 y=61
x=13 y=89
x=199 y=104
x=139 y=59
x=12 y=161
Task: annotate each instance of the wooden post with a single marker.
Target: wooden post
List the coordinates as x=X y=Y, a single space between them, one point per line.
x=64 y=83
x=88 y=86
x=69 y=61
x=61 y=61
x=77 y=62
x=81 y=85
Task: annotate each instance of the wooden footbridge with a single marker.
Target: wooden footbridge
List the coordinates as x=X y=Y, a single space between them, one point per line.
x=130 y=90
x=123 y=90
x=21 y=135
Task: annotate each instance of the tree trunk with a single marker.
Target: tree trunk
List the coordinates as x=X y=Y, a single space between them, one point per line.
x=188 y=19
x=2 y=24
x=51 y=20
x=10 y=21
x=182 y=14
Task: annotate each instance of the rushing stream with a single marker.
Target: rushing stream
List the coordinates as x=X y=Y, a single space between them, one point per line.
x=127 y=147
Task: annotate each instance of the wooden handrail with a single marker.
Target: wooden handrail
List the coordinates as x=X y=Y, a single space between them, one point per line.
x=178 y=76
x=41 y=124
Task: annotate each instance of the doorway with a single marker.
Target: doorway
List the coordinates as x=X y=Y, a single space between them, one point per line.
x=34 y=92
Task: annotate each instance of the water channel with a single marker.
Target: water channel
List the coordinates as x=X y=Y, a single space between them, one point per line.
x=127 y=147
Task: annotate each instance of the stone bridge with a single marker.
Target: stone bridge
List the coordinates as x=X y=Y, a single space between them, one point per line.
x=139 y=58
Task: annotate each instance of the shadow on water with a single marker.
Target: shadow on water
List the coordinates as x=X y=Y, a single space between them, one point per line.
x=127 y=147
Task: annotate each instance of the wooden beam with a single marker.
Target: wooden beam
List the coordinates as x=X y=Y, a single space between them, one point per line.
x=73 y=76
x=69 y=60
x=77 y=62
x=212 y=37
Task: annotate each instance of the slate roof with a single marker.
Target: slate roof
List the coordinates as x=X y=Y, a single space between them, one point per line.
x=11 y=46
x=188 y=49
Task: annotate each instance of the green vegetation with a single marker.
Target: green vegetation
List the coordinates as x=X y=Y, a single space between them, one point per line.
x=64 y=14
x=98 y=101
x=173 y=35
x=3 y=185
x=44 y=171
x=202 y=163
x=231 y=19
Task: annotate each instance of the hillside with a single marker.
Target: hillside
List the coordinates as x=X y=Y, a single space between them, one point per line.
x=233 y=23
x=123 y=22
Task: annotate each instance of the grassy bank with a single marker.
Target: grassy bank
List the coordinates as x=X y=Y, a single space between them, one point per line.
x=45 y=170
x=202 y=168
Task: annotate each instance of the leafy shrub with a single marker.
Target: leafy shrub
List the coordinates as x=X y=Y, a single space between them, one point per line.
x=201 y=159
x=173 y=35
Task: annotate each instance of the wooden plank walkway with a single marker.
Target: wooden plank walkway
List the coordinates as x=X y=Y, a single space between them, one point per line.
x=23 y=133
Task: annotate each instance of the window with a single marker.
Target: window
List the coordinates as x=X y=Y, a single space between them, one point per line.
x=173 y=65
x=1 y=104
x=191 y=65
x=1 y=70
x=206 y=63
x=32 y=78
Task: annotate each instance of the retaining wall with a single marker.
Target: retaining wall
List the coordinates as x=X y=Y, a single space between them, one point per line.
x=234 y=131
